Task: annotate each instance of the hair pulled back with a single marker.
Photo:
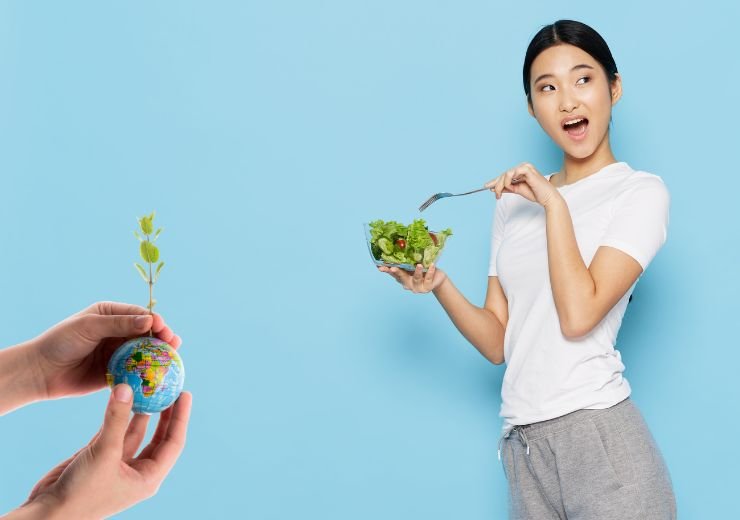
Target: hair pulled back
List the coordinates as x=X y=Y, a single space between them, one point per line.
x=573 y=33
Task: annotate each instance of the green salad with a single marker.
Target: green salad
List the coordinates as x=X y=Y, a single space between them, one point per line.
x=395 y=243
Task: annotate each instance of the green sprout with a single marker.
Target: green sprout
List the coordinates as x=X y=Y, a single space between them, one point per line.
x=150 y=254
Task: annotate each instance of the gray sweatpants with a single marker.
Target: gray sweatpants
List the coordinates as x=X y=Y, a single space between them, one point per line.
x=587 y=465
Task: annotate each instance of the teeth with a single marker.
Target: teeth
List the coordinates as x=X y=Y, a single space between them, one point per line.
x=573 y=122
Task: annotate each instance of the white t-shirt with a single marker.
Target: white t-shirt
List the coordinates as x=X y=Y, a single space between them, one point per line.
x=548 y=375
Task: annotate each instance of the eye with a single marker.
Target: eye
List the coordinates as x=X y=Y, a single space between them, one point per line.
x=543 y=88
x=584 y=77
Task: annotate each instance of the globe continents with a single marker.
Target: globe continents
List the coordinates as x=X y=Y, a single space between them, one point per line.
x=152 y=368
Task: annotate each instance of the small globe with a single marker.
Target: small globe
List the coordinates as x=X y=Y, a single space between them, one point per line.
x=152 y=368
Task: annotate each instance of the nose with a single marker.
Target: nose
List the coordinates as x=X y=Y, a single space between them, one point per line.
x=568 y=102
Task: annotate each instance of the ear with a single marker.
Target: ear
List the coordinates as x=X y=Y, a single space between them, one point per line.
x=530 y=109
x=616 y=89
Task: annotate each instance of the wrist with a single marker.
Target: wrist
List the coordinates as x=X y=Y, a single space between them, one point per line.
x=555 y=202
x=442 y=286
x=42 y=507
x=21 y=377
x=36 y=375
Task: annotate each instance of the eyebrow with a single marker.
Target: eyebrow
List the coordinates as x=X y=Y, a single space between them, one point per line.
x=577 y=67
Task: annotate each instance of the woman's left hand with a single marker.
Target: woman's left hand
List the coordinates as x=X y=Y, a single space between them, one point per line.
x=526 y=181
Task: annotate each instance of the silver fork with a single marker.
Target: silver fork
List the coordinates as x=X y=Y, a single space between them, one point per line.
x=434 y=198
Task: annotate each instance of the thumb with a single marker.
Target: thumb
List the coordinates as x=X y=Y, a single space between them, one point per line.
x=116 y=421
x=118 y=326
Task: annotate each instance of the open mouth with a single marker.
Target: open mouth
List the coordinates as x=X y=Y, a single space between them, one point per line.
x=577 y=127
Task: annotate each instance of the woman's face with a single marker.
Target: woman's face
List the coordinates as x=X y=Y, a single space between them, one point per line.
x=566 y=84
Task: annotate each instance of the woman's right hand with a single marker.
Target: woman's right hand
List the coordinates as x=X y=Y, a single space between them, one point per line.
x=418 y=282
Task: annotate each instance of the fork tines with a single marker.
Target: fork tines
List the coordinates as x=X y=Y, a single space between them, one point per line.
x=431 y=200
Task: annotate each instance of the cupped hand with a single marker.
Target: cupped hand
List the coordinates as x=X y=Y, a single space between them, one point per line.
x=106 y=476
x=418 y=281
x=72 y=356
x=526 y=181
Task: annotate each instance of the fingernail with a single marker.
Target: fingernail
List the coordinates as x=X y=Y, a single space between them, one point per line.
x=141 y=321
x=123 y=393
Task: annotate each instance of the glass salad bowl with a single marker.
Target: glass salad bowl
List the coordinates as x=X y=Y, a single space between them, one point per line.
x=395 y=245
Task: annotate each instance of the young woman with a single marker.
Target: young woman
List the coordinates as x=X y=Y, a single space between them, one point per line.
x=567 y=250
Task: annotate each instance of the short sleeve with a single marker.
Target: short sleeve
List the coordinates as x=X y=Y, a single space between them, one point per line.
x=639 y=223
x=497 y=235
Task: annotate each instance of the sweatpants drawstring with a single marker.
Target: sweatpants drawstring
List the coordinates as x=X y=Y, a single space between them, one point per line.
x=522 y=438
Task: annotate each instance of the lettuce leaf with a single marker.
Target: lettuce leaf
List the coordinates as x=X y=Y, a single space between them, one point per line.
x=421 y=246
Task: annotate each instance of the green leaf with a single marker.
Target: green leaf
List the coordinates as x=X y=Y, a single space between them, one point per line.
x=430 y=253
x=385 y=245
x=137 y=235
x=146 y=225
x=156 y=235
x=149 y=252
x=419 y=238
x=142 y=272
x=159 y=268
x=144 y=251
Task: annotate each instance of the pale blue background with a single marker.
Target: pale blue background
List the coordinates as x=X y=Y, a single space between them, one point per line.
x=264 y=134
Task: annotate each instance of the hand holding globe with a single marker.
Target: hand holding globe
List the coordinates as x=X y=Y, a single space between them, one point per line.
x=71 y=357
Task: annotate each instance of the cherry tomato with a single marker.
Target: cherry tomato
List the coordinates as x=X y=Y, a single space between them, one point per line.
x=401 y=243
x=434 y=238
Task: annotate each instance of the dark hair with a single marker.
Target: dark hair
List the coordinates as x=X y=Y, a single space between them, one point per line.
x=573 y=33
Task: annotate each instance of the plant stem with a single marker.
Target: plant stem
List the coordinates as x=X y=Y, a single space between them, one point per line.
x=151 y=290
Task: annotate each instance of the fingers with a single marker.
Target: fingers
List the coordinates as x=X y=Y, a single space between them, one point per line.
x=115 y=423
x=399 y=275
x=423 y=282
x=169 y=440
x=429 y=278
x=114 y=308
x=417 y=280
x=497 y=184
x=96 y=327
x=134 y=435
x=165 y=333
x=124 y=320
x=506 y=182
x=159 y=434
x=173 y=443
x=509 y=179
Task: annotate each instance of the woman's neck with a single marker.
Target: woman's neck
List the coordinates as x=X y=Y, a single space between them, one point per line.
x=575 y=169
